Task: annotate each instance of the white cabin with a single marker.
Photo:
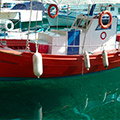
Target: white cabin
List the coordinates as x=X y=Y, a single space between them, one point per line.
x=84 y=35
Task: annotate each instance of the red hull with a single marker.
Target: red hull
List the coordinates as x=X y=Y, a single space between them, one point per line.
x=20 y=64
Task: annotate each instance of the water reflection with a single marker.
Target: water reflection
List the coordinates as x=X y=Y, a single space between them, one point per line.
x=16 y=102
x=88 y=98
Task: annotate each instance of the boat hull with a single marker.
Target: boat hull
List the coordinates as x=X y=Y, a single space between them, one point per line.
x=61 y=20
x=20 y=64
x=75 y=96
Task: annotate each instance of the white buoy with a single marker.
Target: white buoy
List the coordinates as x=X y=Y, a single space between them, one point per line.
x=105 y=59
x=37 y=64
x=86 y=60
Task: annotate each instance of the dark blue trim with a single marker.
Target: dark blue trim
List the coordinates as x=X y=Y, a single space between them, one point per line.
x=92 y=9
x=20 y=23
x=27 y=6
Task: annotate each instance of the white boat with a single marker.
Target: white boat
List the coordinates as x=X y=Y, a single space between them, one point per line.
x=8 y=4
x=24 y=10
x=23 y=14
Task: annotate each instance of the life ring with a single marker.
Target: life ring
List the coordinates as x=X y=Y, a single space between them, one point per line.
x=103 y=35
x=53 y=5
x=9 y=25
x=100 y=19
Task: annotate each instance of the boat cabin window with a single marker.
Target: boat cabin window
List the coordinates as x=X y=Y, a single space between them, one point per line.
x=77 y=22
x=112 y=9
x=8 y=5
x=103 y=8
x=105 y=22
x=19 y=7
x=119 y=10
x=81 y=23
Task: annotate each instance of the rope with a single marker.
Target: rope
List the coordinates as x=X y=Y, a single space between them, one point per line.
x=36 y=21
x=29 y=25
x=37 y=46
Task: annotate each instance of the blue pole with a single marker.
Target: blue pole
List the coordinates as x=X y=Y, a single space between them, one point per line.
x=92 y=9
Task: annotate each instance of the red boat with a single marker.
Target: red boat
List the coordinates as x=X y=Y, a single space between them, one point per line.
x=73 y=65
x=89 y=46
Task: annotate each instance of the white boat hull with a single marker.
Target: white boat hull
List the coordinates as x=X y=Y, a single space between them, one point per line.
x=61 y=20
x=25 y=15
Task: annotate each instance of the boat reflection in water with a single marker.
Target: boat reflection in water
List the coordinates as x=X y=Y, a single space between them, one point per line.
x=95 y=99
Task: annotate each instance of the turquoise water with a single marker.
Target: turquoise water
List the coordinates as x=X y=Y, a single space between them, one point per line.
x=88 y=97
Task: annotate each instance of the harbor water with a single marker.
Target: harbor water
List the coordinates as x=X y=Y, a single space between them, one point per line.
x=92 y=97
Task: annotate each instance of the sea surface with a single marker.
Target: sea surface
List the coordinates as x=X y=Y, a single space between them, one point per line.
x=88 y=97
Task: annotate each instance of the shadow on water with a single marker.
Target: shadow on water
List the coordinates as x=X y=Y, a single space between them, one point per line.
x=89 y=97
x=21 y=99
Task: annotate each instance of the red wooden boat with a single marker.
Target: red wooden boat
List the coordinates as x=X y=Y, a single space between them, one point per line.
x=89 y=46
x=53 y=65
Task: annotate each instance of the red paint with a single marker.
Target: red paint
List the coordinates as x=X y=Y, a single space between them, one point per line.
x=15 y=44
x=20 y=64
x=101 y=35
x=41 y=48
x=118 y=37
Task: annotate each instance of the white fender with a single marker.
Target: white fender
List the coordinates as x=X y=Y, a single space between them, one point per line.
x=87 y=60
x=105 y=59
x=37 y=64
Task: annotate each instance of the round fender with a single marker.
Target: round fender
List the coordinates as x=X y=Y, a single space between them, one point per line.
x=86 y=60
x=105 y=59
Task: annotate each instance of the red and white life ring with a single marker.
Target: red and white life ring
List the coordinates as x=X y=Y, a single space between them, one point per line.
x=103 y=35
x=53 y=5
x=100 y=19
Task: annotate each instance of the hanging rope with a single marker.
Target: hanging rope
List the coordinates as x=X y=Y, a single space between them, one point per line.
x=36 y=22
x=29 y=25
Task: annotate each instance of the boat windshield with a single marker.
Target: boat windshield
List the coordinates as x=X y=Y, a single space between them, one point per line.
x=8 y=5
x=81 y=23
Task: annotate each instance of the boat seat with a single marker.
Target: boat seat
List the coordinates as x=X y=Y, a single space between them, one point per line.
x=15 y=44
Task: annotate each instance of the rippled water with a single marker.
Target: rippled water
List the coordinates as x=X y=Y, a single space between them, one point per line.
x=88 y=97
